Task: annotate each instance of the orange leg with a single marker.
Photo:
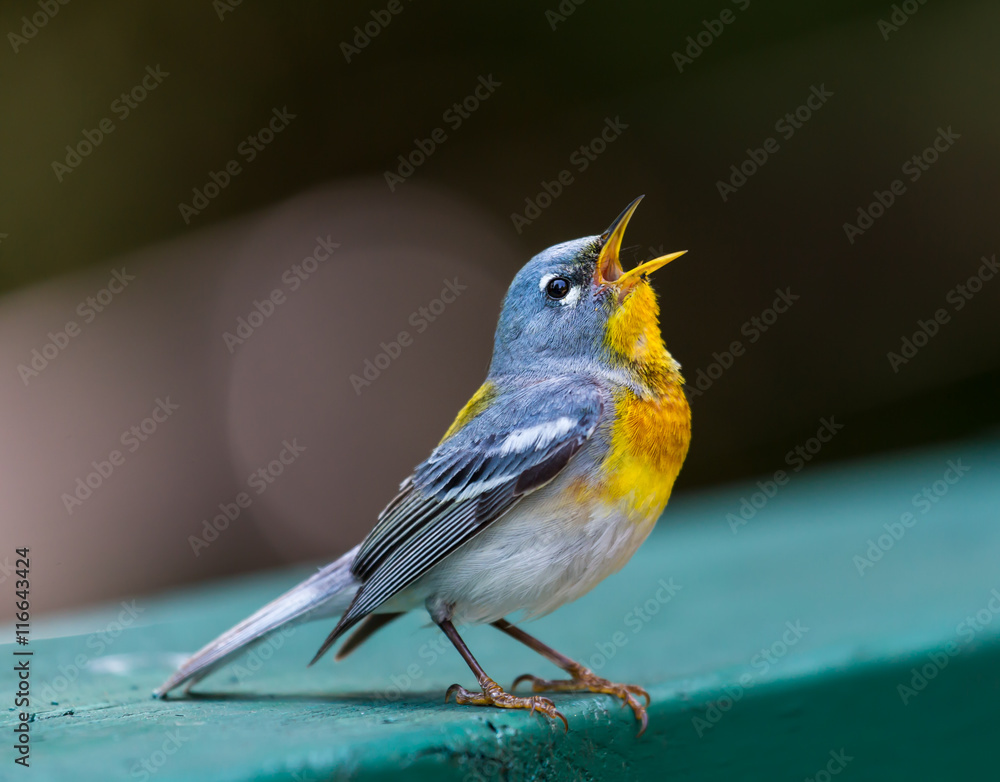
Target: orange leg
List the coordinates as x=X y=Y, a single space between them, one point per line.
x=492 y=693
x=582 y=678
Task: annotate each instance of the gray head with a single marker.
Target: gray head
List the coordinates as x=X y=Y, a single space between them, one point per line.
x=572 y=304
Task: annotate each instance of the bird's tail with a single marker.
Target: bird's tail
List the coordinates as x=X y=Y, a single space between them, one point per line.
x=326 y=594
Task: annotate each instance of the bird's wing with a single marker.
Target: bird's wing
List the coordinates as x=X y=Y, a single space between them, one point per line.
x=518 y=443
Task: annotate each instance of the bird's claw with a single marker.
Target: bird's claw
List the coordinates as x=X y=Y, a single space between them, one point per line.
x=494 y=695
x=585 y=679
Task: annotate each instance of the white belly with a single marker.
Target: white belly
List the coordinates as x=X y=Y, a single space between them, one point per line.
x=523 y=564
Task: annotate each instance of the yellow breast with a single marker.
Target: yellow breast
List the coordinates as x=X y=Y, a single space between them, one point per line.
x=649 y=441
x=651 y=433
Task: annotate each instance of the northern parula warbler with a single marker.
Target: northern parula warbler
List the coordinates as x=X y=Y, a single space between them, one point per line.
x=546 y=483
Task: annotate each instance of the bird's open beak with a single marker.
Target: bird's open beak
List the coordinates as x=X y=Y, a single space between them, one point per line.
x=609 y=268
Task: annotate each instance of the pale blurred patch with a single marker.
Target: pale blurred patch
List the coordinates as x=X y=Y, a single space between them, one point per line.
x=159 y=344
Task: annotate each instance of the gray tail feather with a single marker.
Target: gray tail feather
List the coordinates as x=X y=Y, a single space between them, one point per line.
x=323 y=595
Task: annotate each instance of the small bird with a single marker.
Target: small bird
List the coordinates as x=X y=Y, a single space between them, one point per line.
x=547 y=482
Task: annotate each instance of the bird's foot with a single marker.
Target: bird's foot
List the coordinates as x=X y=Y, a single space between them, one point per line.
x=494 y=695
x=585 y=679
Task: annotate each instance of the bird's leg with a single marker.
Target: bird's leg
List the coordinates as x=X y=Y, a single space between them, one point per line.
x=583 y=678
x=493 y=694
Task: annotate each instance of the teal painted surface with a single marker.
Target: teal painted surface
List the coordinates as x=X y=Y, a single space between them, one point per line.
x=721 y=708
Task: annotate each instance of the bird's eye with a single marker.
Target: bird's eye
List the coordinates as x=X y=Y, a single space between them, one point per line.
x=557 y=288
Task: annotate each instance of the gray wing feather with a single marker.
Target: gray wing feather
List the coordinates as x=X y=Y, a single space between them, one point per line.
x=521 y=442
x=325 y=593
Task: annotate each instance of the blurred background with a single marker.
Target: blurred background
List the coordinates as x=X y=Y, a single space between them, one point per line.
x=252 y=255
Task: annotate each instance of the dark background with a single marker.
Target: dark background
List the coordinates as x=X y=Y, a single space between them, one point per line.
x=324 y=175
